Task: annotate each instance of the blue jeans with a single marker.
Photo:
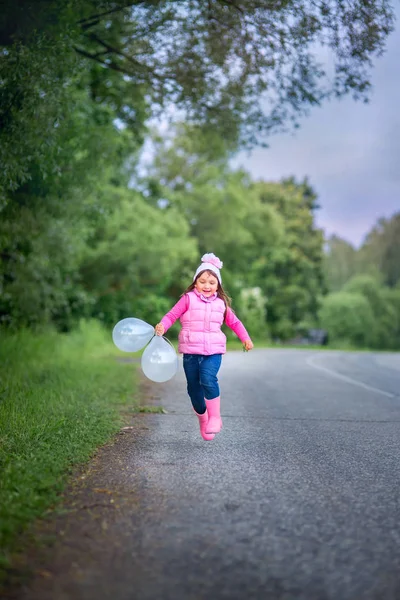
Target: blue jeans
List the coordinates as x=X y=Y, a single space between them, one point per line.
x=202 y=381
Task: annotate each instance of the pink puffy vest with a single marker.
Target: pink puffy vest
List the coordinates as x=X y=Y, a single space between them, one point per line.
x=201 y=327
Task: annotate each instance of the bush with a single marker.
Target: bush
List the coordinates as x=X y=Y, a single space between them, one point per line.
x=383 y=311
x=392 y=297
x=253 y=312
x=348 y=317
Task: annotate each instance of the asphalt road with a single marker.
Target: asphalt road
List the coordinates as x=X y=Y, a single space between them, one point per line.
x=297 y=498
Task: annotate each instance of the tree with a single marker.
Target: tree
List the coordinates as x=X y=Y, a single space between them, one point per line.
x=379 y=256
x=218 y=59
x=253 y=313
x=380 y=253
x=80 y=80
x=339 y=262
x=391 y=253
x=134 y=256
x=191 y=172
x=291 y=273
x=47 y=221
x=383 y=312
x=43 y=80
x=265 y=230
x=241 y=68
x=373 y=272
x=347 y=317
x=392 y=298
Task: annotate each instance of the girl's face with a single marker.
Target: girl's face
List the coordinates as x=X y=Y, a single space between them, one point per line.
x=206 y=284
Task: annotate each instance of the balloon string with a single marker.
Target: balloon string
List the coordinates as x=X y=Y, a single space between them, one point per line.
x=164 y=338
x=167 y=340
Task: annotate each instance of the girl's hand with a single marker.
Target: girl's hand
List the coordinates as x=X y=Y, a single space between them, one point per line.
x=248 y=345
x=160 y=329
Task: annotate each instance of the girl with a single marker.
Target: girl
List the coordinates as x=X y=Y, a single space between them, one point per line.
x=202 y=309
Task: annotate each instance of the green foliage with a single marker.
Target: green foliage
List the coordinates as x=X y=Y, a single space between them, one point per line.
x=253 y=312
x=51 y=97
x=267 y=230
x=222 y=63
x=347 y=316
x=381 y=251
x=61 y=397
x=47 y=221
x=39 y=268
x=290 y=272
x=391 y=253
x=80 y=80
x=340 y=262
x=373 y=271
x=136 y=254
x=379 y=256
x=33 y=96
x=190 y=173
x=381 y=334
x=177 y=56
x=392 y=299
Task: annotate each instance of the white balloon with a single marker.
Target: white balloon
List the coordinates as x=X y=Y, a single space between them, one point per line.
x=131 y=335
x=159 y=360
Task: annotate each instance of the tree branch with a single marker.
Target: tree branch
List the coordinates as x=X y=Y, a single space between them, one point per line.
x=232 y=5
x=115 y=67
x=98 y=16
x=112 y=50
x=110 y=65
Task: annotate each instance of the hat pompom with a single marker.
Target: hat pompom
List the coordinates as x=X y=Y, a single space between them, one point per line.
x=212 y=259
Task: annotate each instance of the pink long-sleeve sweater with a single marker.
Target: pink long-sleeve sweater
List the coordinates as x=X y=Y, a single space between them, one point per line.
x=231 y=320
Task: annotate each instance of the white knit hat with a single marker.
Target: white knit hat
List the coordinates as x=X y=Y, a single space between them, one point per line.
x=210 y=262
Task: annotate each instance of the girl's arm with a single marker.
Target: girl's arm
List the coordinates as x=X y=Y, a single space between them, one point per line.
x=176 y=311
x=237 y=327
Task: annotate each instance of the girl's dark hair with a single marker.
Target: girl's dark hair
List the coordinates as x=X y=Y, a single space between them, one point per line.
x=220 y=290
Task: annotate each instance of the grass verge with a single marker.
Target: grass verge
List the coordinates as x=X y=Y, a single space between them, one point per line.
x=60 y=398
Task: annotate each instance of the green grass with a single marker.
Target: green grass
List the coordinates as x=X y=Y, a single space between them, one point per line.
x=61 y=396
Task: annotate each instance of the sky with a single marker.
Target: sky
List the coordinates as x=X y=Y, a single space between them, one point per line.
x=350 y=152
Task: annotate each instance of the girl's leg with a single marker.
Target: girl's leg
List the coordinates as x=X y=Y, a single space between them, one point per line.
x=209 y=368
x=192 y=371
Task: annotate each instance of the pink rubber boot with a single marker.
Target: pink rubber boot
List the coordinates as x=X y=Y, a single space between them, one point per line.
x=203 y=420
x=214 y=416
